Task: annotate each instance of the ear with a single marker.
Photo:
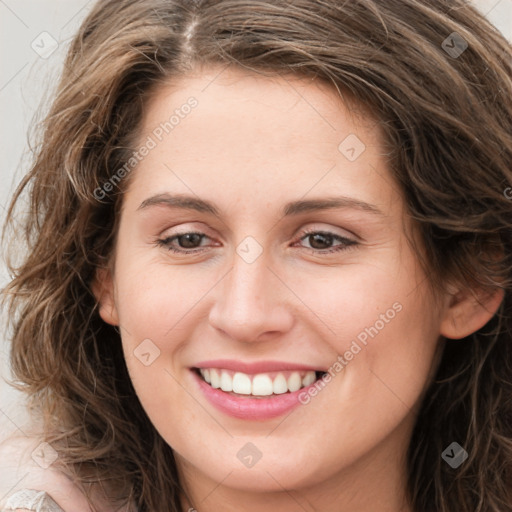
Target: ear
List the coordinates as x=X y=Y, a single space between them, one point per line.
x=469 y=310
x=103 y=290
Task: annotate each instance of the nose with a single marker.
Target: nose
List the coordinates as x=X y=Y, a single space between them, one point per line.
x=251 y=303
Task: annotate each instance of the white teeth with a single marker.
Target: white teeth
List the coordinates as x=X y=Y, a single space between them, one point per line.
x=241 y=383
x=280 y=385
x=215 y=378
x=294 y=381
x=262 y=385
x=308 y=379
x=257 y=385
x=226 y=382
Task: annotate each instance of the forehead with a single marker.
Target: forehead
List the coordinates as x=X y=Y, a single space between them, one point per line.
x=257 y=139
x=295 y=108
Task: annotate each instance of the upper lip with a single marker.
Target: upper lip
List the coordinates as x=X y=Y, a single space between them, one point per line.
x=255 y=367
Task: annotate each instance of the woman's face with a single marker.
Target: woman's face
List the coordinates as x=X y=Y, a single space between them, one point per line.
x=296 y=263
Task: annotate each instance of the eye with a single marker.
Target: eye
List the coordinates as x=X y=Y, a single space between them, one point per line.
x=320 y=242
x=326 y=242
x=187 y=242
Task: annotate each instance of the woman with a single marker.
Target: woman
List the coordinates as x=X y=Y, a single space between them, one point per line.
x=269 y=261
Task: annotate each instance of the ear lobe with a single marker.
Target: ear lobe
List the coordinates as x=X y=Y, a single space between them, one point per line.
x=469 y=311
x=103 y=290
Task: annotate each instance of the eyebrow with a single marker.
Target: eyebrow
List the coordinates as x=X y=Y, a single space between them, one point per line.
x=292 y=208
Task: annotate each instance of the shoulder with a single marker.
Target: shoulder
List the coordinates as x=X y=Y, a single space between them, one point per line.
x=26 y=464
x=30 y=500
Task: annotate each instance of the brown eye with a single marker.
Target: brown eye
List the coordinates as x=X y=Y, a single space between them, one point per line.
x=320 y=241
x=189 y=240
x=183 y=242
x=324 y=242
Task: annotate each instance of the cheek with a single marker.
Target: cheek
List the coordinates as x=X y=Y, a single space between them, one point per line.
x=383 y=324
x=400 y=356
x=157 y=301
x=158 y=307
x=365 y=302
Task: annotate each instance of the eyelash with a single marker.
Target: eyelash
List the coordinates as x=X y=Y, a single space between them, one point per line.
x=346 y=242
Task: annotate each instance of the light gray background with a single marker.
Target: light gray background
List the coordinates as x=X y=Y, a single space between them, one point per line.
x=26 y=80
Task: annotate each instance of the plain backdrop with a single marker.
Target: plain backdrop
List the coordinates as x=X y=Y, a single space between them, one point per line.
x=34 y=35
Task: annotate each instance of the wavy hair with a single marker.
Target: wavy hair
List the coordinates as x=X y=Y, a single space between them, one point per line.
x=444 y=101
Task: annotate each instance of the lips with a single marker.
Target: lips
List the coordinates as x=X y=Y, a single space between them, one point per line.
x=254 y=391
x=256 y=367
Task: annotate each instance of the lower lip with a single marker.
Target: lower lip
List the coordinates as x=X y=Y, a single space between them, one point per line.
x=250 y=408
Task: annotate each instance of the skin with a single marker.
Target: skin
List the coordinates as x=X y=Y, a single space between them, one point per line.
x=252 y=145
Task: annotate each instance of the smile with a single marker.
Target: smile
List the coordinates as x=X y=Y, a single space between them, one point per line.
x=259 y=385
x=258 y=391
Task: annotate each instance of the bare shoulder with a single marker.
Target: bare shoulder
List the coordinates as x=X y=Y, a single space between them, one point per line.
x=26 y=463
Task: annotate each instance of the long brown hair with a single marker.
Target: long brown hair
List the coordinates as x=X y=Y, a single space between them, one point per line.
x=435 y=74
